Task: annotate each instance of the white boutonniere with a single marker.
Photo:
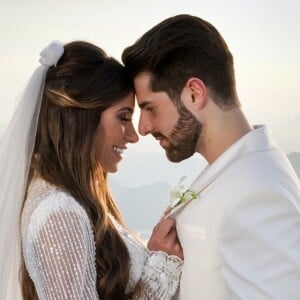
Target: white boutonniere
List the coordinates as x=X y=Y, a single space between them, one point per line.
x=179 y=194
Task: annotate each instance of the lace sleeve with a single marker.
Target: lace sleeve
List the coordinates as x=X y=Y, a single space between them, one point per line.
x=160 y=276
x=60 y=254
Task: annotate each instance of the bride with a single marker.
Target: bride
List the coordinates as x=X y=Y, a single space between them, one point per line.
x=70 y=129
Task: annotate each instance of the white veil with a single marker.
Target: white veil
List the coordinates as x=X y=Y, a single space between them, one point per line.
x=16 y=147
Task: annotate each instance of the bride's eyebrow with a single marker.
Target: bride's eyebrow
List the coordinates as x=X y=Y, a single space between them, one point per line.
x=125 y=109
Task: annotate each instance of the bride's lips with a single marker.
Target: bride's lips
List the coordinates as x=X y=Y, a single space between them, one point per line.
x=119 y=150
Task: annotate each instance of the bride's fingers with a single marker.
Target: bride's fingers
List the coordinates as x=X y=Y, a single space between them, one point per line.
x=165 y=226
x=161 y=221
x=167 y=211
x=156 y=227
x=172 y=235
x=164 y=238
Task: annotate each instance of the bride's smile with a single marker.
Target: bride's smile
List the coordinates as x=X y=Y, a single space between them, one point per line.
x=115 y=130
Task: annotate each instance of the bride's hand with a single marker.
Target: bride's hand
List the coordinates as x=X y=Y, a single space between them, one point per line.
x=166 y=212
x=164 y=238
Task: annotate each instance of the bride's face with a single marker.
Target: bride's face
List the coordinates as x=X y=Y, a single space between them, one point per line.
x=114 y=131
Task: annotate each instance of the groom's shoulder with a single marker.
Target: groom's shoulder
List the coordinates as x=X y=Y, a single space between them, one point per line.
x=262 y=168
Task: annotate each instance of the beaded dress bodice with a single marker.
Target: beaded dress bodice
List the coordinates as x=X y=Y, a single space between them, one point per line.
x=59 y=250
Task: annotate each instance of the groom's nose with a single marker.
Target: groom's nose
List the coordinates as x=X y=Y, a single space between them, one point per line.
x=145 y=125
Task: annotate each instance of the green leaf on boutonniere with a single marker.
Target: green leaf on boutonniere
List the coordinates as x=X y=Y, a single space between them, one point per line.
x=179 y=194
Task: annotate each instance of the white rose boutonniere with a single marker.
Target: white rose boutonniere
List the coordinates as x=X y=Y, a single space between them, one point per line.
x=179 y=194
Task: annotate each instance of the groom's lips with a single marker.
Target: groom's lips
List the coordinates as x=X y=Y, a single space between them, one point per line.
x=163 y=141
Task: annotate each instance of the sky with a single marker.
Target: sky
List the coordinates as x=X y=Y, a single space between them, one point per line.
x=263 y=36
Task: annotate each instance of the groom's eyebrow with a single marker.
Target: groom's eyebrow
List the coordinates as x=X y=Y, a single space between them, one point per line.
x=144 y=103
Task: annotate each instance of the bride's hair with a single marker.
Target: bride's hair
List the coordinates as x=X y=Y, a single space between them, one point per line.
x=84 y=83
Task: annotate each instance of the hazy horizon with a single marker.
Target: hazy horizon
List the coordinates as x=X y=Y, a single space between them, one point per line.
x=263 y=36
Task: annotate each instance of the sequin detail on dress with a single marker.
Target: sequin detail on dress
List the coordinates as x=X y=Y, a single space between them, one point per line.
x=59 y=250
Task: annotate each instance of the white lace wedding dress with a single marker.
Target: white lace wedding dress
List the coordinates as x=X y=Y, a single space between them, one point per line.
x=59 y=250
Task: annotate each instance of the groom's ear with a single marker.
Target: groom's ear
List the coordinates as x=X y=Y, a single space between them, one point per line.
x=194 y=94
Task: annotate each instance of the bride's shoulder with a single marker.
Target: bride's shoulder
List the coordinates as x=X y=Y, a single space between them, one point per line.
x=45 y=200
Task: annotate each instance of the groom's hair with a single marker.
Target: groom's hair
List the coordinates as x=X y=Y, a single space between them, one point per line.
x=179 y=48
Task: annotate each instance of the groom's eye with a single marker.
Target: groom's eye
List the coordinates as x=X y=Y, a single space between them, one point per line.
x=150 y=109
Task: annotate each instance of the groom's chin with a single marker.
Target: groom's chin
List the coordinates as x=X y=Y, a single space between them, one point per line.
x=177 y=156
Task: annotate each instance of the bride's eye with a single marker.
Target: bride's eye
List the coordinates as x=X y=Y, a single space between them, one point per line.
x=125 y=118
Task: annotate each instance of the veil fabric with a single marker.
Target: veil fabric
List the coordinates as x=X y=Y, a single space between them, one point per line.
x=16 y=148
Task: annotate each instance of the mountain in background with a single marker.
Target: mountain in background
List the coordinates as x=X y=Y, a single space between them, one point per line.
x=140 y=168
x=141 y=187
x=141 y=206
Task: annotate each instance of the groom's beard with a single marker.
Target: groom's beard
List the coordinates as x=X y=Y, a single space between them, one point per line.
x=184 y=138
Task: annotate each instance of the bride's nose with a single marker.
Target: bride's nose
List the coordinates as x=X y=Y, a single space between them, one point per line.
x=131 y=135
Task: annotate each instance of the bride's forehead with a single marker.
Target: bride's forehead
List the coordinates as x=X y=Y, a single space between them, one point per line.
x=127 y=101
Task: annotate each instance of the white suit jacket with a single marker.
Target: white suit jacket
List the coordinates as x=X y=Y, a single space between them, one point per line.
x=241 y=237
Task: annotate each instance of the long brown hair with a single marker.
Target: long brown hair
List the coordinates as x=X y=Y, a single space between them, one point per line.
x=84 y=83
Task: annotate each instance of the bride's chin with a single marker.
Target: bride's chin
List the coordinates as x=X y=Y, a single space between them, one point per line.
x=112 y=169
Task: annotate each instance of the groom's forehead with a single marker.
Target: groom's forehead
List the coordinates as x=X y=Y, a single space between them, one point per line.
x=142 y=83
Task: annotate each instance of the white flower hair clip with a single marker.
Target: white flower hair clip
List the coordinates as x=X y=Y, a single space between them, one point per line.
x=52 y=54
x=179 y=194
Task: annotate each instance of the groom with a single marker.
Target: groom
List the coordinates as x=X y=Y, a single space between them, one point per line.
x=241 y=237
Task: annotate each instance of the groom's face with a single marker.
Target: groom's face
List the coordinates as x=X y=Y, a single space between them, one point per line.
x=176 y=129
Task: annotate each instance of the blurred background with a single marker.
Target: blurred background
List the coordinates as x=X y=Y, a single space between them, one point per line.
x=264 y=38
